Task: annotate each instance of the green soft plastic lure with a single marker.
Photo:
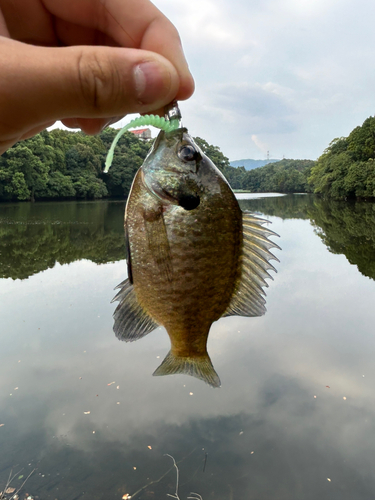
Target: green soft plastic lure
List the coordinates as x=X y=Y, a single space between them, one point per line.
x=153 y=120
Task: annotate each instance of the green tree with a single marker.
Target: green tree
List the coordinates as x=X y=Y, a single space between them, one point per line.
x=21 y=159
x=62 y=164
x=58 y=186
x=214 y=153
x=84 y=166
x=129 y=155
x=346 y=169
x=285 y=176
x=361 y=141
x=234 y=175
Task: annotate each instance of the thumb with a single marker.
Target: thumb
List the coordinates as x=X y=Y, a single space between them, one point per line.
x=40 y=84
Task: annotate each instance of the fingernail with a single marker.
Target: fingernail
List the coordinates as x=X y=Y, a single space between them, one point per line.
x=107 y=123
x=151 y=82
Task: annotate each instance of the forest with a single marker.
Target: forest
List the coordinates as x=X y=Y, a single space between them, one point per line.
x=69 y=165
x=47 y=233
x=284 y=176
x=346 y=169
x=61 y=164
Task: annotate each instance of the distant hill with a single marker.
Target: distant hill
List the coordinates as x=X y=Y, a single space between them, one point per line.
x=250 y=164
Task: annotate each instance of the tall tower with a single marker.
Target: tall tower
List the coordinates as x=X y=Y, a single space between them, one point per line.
x=268 y=155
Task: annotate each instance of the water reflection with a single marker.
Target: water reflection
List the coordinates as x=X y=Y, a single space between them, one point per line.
x=349 y=229
x=58 y=350
x=345 y=228
x=33 y=237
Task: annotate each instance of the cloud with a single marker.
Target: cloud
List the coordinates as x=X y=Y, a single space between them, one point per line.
x=259 y=144
x=237 y=111
x=256 y=107
x=296 y=73
x=204 y=21
x=315 y=55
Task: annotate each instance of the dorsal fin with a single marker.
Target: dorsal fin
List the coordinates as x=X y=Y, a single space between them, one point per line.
x=131 y=321
x=247 y=299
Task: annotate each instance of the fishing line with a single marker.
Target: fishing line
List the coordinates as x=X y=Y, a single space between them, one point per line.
x=153 y=120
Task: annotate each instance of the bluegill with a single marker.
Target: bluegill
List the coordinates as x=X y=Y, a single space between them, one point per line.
x=192 y=255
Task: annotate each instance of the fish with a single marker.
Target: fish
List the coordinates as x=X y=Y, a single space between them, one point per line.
x=193 y=256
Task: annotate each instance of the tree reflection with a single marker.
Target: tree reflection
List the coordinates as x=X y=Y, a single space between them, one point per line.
x=33 y=237
x=286 y=207
x=349 y=229
x=346 y=228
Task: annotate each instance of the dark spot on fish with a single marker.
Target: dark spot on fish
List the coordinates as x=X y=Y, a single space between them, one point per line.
x=152 y=214
x=189 y=201
x=188 y=153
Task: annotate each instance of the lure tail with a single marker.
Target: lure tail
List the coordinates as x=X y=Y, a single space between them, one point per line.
x=153 y=120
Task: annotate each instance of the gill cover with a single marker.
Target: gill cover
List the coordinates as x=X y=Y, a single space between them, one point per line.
x=170 y=171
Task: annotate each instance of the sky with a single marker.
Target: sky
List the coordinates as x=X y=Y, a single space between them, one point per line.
x=279 y=76
x=284 y=76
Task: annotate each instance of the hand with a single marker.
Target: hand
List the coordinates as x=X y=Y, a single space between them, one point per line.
x=86 y=63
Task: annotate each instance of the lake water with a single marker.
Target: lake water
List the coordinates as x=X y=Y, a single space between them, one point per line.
x=294 y=418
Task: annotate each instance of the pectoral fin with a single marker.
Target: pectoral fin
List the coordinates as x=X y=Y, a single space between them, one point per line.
x=199 y=367
x=157 y=241
x=131 y=321
x=248 y=297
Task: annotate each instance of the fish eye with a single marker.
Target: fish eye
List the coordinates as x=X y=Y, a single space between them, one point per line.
x=187 y=153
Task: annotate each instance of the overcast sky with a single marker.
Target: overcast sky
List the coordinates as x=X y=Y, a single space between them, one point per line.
x=284 y=76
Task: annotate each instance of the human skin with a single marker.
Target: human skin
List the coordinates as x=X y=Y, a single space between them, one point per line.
x=85 y=62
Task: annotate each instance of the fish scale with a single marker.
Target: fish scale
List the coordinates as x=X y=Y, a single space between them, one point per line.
x=195 y=257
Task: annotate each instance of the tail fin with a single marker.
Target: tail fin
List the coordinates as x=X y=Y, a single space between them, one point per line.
x=199 y=367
